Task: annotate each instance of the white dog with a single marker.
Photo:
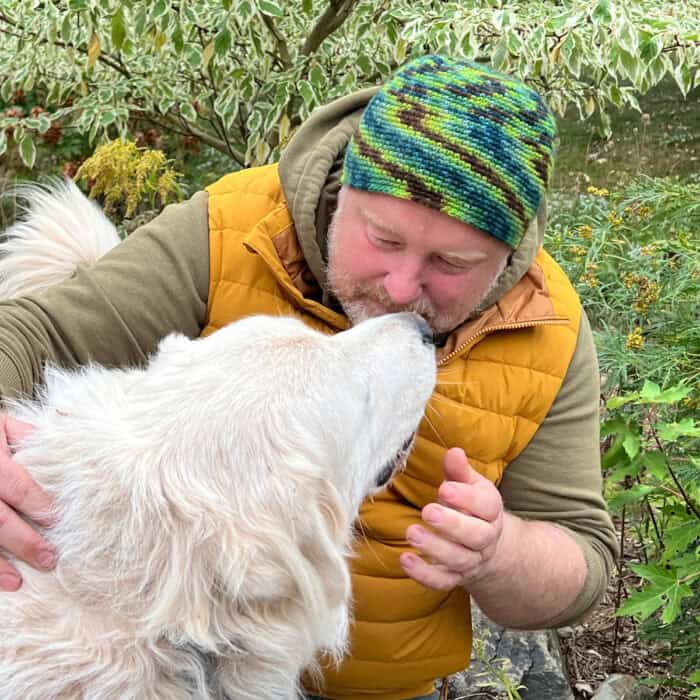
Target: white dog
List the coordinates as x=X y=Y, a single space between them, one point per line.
x=204 y=504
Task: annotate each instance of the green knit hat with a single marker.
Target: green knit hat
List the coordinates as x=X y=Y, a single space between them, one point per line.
x=461 y=138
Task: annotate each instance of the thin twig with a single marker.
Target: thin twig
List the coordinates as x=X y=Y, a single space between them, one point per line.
x=678 y=484
x=282 y=47
x=613 y=660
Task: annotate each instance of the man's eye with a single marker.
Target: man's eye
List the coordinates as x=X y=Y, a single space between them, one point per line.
x=383 y=242
x=452 y=265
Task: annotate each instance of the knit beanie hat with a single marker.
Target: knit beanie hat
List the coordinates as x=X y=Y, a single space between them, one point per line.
x=459 y=137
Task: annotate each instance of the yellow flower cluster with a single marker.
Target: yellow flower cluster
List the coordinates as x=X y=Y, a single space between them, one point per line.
x=648 y=294
x=629 y=279
x=585 y=231
x=649 y=290
x=589 y=276
x=578 y=251
x=635 y=340
x=643 y=212
x=615 y=219
x=589 y=279
x=121 y=171
x=598 y=191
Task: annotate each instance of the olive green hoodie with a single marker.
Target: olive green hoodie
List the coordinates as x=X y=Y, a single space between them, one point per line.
x=157 y=281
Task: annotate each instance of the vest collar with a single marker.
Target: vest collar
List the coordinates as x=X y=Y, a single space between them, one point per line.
x=275 y=240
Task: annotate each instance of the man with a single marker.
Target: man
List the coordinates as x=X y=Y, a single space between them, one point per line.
x=429 y=195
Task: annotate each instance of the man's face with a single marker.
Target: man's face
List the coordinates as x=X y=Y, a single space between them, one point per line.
x=387 y=254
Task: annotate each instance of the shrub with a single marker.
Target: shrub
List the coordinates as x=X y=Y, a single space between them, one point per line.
x=634 y=257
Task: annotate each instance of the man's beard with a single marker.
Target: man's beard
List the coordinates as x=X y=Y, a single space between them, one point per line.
x=361 y=301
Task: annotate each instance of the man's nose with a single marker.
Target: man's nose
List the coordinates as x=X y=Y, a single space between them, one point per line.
x=403 y=283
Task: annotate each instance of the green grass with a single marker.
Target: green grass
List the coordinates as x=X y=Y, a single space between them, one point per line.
x=663 y=140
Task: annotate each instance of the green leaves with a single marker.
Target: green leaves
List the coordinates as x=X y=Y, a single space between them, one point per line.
x=651 y=393
x=665 y=590
x=674 y=431
x=222 y=43
x=27 y=150
x=634 y=240
x=188 y=112
x=635 y=494
x=118 y=29
x=602 y=13
x=270 y=8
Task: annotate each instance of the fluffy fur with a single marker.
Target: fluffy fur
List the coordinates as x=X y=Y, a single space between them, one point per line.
x=204 y=504
x=60 y=230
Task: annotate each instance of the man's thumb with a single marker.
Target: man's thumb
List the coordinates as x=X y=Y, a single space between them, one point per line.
x=457 y=467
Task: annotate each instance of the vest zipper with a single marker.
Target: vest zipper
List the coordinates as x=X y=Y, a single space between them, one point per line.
x=504 y=326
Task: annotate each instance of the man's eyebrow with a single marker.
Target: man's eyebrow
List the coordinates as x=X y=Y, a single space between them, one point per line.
x=467 y=256
x=379 y=222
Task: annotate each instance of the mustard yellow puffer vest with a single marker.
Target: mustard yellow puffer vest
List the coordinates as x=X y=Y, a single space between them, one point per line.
x=498 y=377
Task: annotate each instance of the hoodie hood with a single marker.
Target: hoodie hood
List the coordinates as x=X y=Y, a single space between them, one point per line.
x=310 y=169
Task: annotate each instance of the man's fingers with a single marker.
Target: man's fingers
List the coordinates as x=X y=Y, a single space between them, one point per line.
x=468 y=531
x=24 y=541
x=16 y=430
x=10 y=580
x=430 y=575
x=21 y=492
x=452 y=555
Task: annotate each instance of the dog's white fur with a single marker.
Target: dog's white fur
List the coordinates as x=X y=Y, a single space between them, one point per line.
x=204 y=504
x=61 y=230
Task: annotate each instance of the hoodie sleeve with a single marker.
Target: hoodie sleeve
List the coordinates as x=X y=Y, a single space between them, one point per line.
x=115 y=312
x=540 y=485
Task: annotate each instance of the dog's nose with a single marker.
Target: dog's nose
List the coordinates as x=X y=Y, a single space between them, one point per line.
x=384 y=475
x=426 y=332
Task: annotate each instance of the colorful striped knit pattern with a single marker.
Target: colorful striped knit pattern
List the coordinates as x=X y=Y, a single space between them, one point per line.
x=461 y=138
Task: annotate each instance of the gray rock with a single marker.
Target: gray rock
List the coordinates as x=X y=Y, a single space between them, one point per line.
x=531 y=660
x=622 y=687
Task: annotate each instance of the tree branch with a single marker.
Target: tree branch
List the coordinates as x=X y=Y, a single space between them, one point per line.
x=171 y=122
x=336 y=13
x=282 y=47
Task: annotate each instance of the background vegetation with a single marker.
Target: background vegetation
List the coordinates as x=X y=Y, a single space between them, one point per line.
x=184 y=91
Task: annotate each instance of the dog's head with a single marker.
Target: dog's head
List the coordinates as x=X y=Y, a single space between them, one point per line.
x=268 y=402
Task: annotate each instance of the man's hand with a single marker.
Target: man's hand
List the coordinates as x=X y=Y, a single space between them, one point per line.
x=19 y=493
x=467 y=529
